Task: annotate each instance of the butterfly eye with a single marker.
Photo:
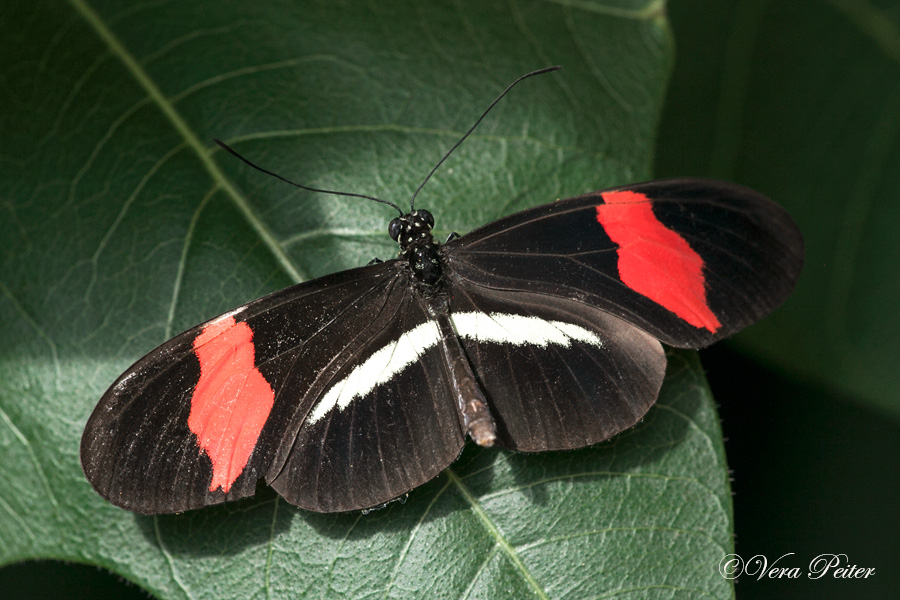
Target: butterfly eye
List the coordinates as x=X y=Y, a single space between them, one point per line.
x=427 y=217
x=395 y=229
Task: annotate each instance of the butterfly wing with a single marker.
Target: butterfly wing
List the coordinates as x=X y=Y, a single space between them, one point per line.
x=203 y=417
x=689 y=261
x=561 y=308
x=556 y=374
x=384 y=421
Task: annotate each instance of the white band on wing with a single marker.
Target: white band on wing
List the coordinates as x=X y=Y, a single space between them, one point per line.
x=390 y=360
x=519 y=330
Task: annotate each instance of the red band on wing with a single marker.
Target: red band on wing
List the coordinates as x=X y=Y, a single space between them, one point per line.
x=232 y=399
x=655 y=261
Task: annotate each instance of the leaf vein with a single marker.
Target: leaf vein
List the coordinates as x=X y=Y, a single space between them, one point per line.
x=182 y=262
x=22 y=523
x=190 y=138
x=37 y=329
x=412 y=536
x=651 y=10
x=32 y=456
x=168 y=558
x=498 y=536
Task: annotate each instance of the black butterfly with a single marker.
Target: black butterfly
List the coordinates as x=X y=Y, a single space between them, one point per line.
x=538 y=331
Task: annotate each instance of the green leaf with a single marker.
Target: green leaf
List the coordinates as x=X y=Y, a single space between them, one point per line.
x=123 y=224
x=801 y=100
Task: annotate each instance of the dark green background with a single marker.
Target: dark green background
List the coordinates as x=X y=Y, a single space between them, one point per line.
x=799 y=99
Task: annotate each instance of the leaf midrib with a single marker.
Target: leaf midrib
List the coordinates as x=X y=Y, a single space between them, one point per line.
x=494 y=531
x=188 y=135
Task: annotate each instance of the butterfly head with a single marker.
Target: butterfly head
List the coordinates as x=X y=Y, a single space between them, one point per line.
x=407 y=228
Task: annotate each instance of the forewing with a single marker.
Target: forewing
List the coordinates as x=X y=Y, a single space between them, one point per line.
x=198 y=420
x=557 y=374
x=689 y=261
x=385 y=420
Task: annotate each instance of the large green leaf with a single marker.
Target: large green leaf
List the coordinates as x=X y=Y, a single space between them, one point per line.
x=123 y=224
x=801 y=100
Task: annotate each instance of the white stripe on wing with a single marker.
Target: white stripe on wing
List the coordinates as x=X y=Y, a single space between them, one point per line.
x=390 y=360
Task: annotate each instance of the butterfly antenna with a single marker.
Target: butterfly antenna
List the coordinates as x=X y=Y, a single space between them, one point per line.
x=231 y=150
x=412 y=202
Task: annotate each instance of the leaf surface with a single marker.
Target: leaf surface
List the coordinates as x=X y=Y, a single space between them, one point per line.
x=123 y=225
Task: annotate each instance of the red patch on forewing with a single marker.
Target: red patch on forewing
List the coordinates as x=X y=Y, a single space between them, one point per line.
x=655 y=261
x=232 y=399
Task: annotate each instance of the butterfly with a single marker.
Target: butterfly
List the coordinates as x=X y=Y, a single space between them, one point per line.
x=539 y=331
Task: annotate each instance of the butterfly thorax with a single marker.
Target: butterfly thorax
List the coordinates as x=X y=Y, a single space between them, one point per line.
x=417 y=246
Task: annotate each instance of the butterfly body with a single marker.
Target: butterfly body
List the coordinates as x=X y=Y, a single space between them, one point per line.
x=418 y=249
